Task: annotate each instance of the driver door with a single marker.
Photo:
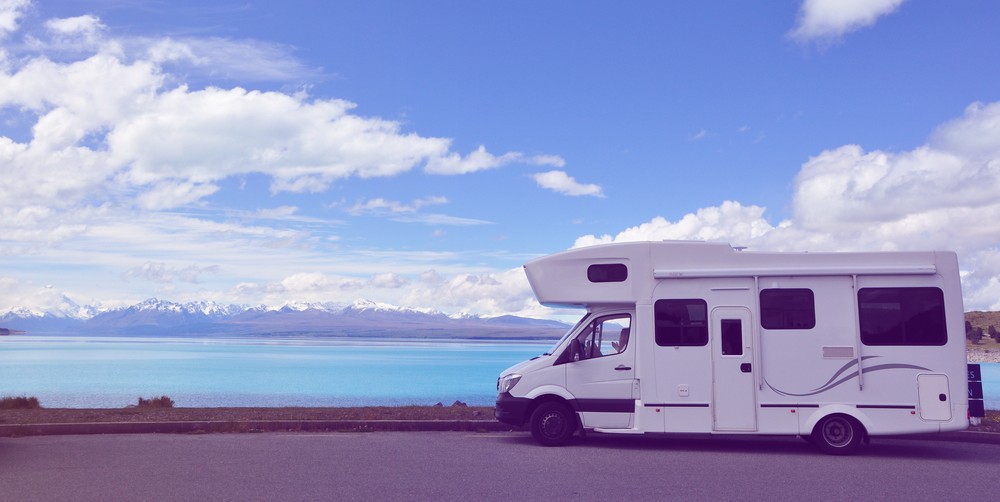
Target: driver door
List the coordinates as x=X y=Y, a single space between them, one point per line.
x=600 y=372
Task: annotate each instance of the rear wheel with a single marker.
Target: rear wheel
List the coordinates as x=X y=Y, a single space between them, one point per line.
x=838 y=435
x=553 y=424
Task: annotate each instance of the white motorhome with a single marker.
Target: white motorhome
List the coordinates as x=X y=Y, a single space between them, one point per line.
x=696 y=337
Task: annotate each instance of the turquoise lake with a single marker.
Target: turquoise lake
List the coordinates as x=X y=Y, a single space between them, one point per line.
x=97 y=372
x=107 y=372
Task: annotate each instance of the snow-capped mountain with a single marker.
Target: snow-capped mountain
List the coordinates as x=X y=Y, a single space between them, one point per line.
x=370 y=306
x=55 y=313
x=53 y=306
x=362 y=318
x=206 y=308
x=303 y=306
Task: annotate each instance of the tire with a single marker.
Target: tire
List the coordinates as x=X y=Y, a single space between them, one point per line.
x=838 y=435
x=553 y=424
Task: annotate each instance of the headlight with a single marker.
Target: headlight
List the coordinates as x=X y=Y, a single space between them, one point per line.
x=507 y=382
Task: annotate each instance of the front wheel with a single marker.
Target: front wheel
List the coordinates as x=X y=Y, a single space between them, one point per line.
x=838 y=435
x=553 y=424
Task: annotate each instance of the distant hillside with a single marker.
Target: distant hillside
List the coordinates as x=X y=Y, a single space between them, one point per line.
x=983 y=319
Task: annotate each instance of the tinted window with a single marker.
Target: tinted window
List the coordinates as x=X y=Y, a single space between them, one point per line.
x=681 y=322
x=610 y=272
x=787 y=309
x=902 y=316
x=732 y=337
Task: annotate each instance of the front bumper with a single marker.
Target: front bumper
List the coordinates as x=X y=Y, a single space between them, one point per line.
x=511 y=410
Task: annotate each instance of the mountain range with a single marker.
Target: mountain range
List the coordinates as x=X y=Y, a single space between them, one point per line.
x=363 y=318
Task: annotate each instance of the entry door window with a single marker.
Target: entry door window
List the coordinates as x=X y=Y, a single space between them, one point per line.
x=732 y=337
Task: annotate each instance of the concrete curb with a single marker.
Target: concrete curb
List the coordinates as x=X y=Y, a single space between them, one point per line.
x=959 y=437
x=16 y=430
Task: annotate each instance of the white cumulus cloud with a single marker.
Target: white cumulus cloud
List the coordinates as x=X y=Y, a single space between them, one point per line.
x=86 y=28
x=10 y=13
x=479 y=160
x=730 y=221
x=830 y=19
x=560 y=182
x=164 y=273
x=114 y=130
x=380 y=205
x=389 y=280
x=490 y=293
x=110 y=124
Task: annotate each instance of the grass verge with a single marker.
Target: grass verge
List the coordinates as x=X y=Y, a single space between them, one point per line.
x=156 y=402
x=19 y=403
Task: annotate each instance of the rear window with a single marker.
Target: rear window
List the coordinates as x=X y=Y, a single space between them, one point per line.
x=902 y=316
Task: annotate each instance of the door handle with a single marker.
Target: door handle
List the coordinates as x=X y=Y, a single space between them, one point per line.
x=745 y=367
x=622 y=367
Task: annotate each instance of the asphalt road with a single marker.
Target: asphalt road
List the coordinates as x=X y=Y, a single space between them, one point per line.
x=483 y=466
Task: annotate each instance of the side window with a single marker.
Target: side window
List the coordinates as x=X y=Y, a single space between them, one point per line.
x=604 y=336
x=787 y=309
x=681 y=323
x=902 y=316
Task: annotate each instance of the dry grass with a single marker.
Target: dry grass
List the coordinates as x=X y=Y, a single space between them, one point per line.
x=990 y=423
x=156 y=402
x=19 y=403
x=136 y=414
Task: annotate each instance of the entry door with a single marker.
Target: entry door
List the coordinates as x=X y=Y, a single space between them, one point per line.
x=601 y=374
x=734 y=387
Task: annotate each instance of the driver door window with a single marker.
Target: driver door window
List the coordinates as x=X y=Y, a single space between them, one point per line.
x=604 y=336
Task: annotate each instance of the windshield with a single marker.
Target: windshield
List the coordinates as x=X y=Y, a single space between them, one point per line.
x=567 y=334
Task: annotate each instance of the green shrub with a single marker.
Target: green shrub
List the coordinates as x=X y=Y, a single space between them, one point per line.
x=19 y=403
x=156 y=402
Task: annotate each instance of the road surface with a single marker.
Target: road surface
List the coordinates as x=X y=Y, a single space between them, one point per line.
x=483 y=466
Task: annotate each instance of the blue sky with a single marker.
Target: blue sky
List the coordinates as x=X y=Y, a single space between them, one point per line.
x=417 y=153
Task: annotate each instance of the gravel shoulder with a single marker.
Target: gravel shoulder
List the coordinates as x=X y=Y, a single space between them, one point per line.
x=983 y=353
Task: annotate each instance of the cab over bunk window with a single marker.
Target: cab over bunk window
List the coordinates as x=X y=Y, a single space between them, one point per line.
x=681 y=323
x=902 y=316
x=787 y=309
x=608 y=272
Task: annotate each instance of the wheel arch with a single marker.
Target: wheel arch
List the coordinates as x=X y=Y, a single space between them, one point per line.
x=545 y=391
x=807 y=427
x=552 y=398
